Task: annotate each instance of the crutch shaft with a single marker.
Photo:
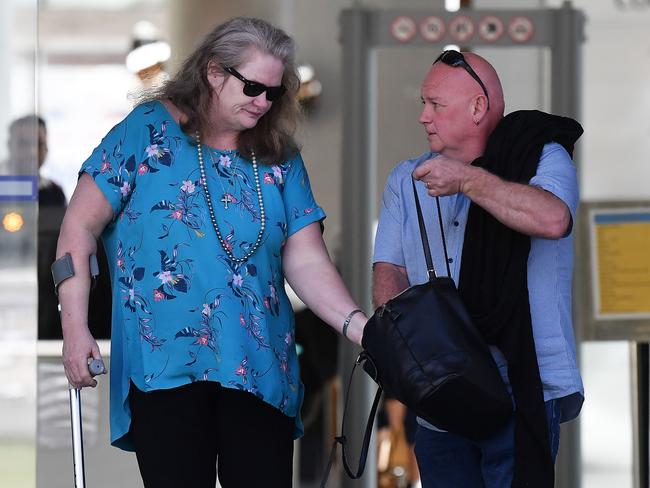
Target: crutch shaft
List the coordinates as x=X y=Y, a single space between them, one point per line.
x=77 y=438
x=95 y=366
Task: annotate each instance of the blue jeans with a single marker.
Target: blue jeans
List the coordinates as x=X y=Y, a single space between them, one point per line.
x=450 y=461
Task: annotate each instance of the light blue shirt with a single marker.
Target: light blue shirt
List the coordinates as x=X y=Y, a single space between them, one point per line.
x=183 y=311
x=550 y=263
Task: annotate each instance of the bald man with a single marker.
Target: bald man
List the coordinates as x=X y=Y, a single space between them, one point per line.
x=507 y=189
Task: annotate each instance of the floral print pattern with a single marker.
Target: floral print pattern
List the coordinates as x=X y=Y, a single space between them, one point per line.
x=183 y=310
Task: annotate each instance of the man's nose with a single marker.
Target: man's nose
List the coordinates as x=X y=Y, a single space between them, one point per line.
x=425 y=116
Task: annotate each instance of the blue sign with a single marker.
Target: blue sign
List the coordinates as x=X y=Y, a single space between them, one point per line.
x=18 y=188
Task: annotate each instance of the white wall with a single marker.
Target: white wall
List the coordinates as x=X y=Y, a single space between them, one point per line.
x=615 y=101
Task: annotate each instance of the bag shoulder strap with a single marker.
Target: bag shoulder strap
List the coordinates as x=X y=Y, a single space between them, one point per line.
x=423 y=234
x=343 y=440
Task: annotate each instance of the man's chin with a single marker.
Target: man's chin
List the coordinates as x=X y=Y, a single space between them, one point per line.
x=434 y=143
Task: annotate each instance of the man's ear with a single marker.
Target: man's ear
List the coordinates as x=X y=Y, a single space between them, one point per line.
x=479 y=108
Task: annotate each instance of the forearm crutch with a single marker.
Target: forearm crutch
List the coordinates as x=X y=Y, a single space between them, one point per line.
x=95 y=367
x=62 y=269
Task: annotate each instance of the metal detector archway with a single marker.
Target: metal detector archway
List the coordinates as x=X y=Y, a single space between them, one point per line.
x=364 y=31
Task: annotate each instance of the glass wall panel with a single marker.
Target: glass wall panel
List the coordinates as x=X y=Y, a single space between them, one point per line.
x=19 y=154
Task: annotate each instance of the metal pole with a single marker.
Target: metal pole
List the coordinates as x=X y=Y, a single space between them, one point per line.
x=565 y=100
x=642 y=416
x=567 y=61
x=358 y=200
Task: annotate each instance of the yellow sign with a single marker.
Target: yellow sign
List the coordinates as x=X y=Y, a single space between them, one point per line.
x=622 y=252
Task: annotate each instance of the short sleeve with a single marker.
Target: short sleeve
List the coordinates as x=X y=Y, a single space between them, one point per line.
x=388 y=239
x=557 y=174
x=113 y=164
x=299 y=203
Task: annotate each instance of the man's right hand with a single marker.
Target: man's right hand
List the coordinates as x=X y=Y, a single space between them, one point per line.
x=443 y=175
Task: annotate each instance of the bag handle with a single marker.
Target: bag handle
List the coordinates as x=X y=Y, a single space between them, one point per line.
x=425 y=240
x=343 y=440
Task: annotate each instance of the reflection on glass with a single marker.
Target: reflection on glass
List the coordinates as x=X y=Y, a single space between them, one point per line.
x=19 y=153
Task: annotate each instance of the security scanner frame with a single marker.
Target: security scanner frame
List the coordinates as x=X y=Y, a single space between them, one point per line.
x=364 y=31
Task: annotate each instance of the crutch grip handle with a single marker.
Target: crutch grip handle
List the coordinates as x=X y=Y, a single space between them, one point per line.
x=96 y=367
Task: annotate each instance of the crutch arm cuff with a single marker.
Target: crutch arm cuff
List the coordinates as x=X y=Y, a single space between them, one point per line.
x=62 y=269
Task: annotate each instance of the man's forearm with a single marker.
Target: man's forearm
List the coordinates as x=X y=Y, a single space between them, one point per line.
x=524 y=208
x=387 y=281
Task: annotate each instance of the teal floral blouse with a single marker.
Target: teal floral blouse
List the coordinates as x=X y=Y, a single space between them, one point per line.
x=183 y=311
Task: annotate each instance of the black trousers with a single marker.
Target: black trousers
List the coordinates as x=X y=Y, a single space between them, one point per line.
x=182 y=434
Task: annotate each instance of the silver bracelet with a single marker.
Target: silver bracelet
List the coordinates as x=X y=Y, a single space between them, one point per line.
x=346 y=324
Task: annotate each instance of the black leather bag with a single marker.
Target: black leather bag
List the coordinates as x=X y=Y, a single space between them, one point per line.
x=422 y=348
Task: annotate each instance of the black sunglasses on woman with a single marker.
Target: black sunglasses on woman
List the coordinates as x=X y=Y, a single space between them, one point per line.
x=255 y=88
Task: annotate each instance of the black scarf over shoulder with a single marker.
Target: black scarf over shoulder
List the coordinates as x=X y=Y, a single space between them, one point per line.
x=493 y=282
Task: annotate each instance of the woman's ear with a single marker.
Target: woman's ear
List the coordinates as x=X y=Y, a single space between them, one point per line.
x=215 y=75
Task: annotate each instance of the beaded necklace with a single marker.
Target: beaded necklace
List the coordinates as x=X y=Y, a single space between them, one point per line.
x=208 y=199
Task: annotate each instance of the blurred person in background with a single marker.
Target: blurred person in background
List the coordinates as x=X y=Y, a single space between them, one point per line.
x=148 y=55
x=27 y=153
x=27 y=150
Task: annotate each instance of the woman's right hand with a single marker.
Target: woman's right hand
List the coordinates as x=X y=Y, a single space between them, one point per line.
x=79 y=347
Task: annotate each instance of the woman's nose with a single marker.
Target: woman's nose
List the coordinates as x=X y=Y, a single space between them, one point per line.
x=261 y=101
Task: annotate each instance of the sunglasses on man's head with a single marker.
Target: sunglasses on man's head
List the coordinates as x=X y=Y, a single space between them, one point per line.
x=454 y=59
x=255 y=88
